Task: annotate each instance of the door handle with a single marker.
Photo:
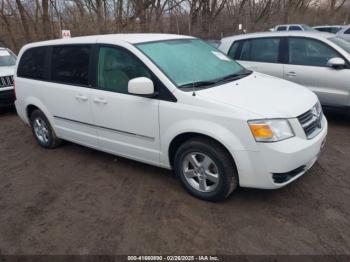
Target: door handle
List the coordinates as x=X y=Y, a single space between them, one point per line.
x=291 y=74
x=81 y=97
x=100 y=100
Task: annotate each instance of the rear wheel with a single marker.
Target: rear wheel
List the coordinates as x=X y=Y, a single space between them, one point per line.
x=43 y=131
x=206 y=169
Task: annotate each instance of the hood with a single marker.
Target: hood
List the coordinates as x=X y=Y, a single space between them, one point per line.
x=7 y=70
x=263 y=95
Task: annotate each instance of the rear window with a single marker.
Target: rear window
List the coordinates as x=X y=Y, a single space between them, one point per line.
x=347 y=32
x=70 y=64
x=32 y=63
x=281 y=28
x=295 y=28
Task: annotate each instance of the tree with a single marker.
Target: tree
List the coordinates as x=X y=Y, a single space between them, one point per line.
x=45 y=19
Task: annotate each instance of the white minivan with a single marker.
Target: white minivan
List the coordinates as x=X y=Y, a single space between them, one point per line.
x=174 y=102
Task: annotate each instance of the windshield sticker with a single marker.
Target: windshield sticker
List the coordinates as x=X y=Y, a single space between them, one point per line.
x=220 y=56
x=4 y=53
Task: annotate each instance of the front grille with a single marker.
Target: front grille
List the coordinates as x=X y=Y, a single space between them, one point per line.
x=311 y=122
x=284 y=177
x=6 y=81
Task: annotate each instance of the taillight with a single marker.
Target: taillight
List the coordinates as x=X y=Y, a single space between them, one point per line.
x=14 y=88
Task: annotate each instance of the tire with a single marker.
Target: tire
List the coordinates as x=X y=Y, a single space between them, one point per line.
x=42 y=130
x=205 y=169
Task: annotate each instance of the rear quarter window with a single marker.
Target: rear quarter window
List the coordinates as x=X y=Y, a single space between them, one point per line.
x=32 y=63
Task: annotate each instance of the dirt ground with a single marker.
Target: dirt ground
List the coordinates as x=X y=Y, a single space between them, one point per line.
x=75 y=200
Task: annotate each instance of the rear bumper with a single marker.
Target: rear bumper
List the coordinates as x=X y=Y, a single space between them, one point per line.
x=7 y=98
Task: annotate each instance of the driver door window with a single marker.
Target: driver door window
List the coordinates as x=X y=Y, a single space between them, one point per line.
x=116 y=67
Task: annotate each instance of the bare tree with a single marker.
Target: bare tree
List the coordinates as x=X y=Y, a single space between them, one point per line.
x=45 y=19
x=23 y=21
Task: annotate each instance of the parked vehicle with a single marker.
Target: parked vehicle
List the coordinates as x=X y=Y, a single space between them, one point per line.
x=294 y=27
x=7 y=67
x=333 y=29
x=214 y=43
x=319 y=61
x=171 y=101
x=344 y=33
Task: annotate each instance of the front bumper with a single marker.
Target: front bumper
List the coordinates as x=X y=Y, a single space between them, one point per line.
x=7 y=97
x=290 y=158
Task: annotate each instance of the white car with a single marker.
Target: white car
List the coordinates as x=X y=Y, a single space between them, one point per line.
x=333 y=29
x=7 y=67
x=174 y=102
x=316 y=60
x=294 y=27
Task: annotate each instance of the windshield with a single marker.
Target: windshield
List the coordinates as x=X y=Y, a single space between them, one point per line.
x=334 y=30
x=308 y=28
x=341 y=43
x=187 y=61
x=7 y=58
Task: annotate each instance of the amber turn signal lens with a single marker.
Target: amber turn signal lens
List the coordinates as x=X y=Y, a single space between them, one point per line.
x=261 y=131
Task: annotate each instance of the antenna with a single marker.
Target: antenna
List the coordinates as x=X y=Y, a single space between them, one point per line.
x=193 y=73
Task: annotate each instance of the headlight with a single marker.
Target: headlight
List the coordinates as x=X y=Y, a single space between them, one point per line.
x=271 y=130
x=317 y=109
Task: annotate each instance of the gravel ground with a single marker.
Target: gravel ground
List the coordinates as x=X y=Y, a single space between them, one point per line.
x=75 y=200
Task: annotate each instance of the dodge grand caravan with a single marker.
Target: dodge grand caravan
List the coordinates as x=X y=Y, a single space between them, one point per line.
x=171 y=101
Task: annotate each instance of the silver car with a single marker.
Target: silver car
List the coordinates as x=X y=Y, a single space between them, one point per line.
x=319 y=61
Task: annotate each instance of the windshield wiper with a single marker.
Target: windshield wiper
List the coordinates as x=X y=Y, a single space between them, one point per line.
x=234 y=76
x=213 y=82
x=197 y=84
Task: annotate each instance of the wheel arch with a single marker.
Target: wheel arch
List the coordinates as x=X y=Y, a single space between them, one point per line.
x=30 y=109
x=32 y=104
x=178 y=140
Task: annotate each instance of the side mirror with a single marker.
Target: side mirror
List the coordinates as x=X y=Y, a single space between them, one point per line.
x=141 y=86
x=336 y=63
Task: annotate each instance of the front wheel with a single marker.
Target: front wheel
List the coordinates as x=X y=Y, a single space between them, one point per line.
x=206 y=169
